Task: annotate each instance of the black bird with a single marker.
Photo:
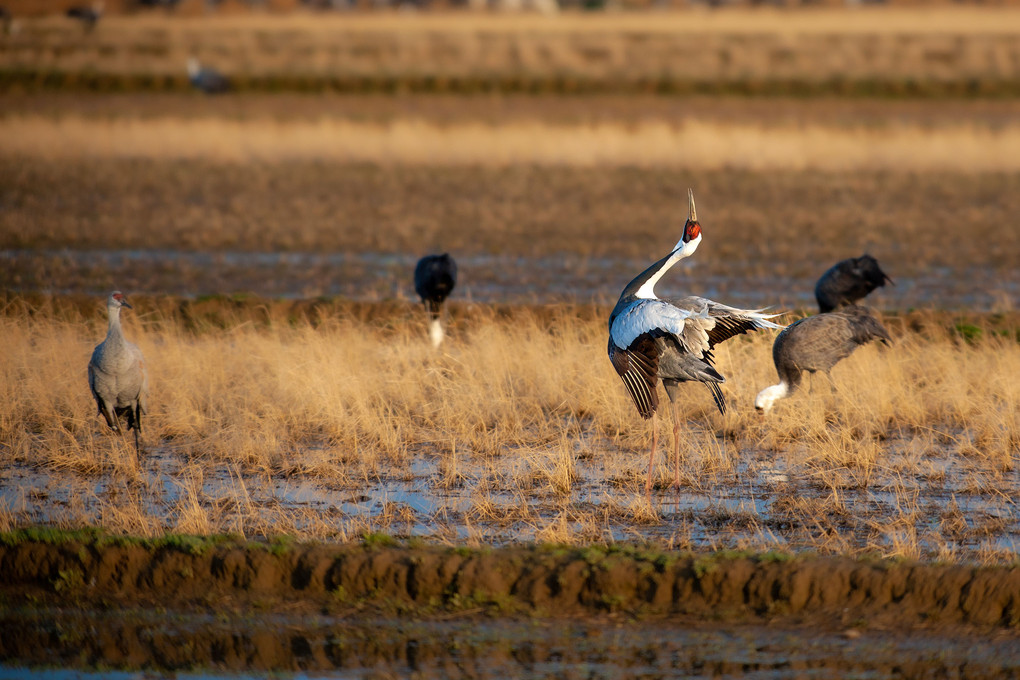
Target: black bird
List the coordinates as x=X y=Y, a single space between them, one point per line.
x=206 y=79
x=817 y=343
x=672 y=339
x=88 y=16
x=848 y=281
x=434 y=279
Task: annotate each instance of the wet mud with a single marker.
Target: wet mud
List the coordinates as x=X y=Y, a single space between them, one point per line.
x=542 y=581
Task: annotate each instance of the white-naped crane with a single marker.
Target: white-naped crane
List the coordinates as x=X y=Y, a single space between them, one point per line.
x=206 y=79
x=672 y=339
x=434 y=279
x=88 y=15
x=847 y=281
x=817 y=343
x=117 y=375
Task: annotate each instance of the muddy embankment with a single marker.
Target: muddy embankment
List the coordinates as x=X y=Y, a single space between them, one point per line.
x=534 y=581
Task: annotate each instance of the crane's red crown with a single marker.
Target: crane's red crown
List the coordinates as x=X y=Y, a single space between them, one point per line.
x=691 y=230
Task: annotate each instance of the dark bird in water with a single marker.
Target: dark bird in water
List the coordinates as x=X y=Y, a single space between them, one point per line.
x=117 y=376
x=848 y=281
x=434 y=279
x=206 y=79
x=88 y=16
x=672 y=339
x=817 y=343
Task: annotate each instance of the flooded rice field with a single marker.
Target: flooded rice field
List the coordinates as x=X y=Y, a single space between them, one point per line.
x=510 y=279
x=921 y=501
x=938 y=485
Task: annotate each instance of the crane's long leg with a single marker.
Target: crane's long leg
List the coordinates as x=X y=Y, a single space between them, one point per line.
x=111 y=419
x=651 y=458
x=138 y=430
x=676 y=444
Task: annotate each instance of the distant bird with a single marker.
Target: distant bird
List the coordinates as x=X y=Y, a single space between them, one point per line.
x=206 y=79
x=434 y=279
x=673 y=339
x=88 y=16
x=166 y=4
x=117 y=375
x=10 y=25
x=848 y=281
x=817 y=343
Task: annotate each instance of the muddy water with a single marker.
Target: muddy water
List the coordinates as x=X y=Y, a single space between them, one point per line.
x=372 y=277
x=751 y=507
x=120 y=646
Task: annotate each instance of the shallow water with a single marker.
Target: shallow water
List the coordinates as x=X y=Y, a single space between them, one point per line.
x=761 y=501
x=482 y=278
x=140 y=644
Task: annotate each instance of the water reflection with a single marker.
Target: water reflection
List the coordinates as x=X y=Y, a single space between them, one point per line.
x=200 y=646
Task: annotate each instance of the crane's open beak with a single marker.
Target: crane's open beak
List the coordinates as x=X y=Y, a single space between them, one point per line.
x=691 y=228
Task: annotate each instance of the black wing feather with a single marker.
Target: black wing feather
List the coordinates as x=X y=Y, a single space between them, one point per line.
x=638 y=366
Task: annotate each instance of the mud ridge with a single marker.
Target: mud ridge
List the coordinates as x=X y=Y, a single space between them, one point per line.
x=535 y=581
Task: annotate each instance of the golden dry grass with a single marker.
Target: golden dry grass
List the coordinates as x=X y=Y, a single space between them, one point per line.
x=517 y=416
x=692 y=144
x=898 y=46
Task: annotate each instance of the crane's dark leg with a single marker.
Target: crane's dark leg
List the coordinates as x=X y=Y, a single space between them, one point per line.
x=138 y=429
x=651 y=458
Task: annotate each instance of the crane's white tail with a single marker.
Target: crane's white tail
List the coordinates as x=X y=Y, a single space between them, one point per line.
x=436 y=332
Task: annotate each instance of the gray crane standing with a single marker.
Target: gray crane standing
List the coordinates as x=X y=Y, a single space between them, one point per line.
x=117 y=375
x=672 y=339
x=817 y=343
x=847 y=281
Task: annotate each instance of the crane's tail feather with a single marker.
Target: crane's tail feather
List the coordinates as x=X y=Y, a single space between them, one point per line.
x=717 y=395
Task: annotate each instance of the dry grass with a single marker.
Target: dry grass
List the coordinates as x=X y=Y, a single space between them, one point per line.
x=512 y=420
x=943 y=45
x=693 y=144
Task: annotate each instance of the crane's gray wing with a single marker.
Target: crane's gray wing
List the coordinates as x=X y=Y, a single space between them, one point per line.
x=725 y=321
x=143 y=390
x=815 y=343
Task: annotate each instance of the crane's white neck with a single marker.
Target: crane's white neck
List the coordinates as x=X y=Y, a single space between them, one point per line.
x=770 y=395
x=680 y=251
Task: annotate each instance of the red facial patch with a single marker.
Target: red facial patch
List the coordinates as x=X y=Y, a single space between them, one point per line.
x=693 y=230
